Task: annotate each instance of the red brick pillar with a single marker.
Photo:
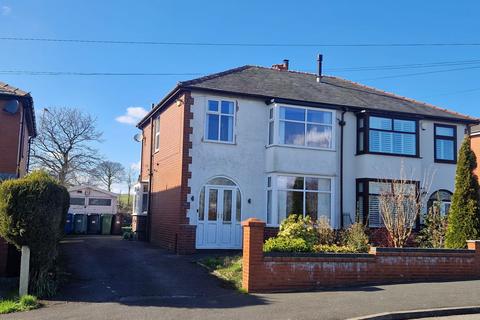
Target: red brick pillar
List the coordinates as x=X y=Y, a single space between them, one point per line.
x=475 y=245
x=186 y=239
x=253 y=230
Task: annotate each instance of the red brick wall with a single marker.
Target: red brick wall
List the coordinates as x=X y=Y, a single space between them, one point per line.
x=475 y=145
x=9 y=140
x=281 y=272
x=168 y=200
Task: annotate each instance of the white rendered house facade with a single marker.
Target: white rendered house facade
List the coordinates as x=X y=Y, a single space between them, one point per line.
x=268 y=157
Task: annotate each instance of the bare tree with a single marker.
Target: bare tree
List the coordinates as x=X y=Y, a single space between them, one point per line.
x=63 y=146
x=400 y=203
x=108 y=173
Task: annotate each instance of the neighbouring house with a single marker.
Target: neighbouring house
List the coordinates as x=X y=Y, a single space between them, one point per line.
x=475 y=145
x=268 y=142
x=17 y=129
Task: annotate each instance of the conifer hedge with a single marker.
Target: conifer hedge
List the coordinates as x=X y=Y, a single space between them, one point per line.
x=464 y=217
x=32 y=213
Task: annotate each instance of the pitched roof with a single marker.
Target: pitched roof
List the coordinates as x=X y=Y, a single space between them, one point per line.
x=84 y=187
x=8 y=90
x=301 y=86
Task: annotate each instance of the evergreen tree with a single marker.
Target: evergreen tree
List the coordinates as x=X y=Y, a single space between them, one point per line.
x=464 y=216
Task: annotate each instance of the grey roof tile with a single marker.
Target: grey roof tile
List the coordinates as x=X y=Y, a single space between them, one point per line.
x=300 y=86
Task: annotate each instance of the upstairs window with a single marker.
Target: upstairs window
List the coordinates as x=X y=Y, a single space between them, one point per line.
x=220 y=121
x=303 y=127
x=445 y=143
x=386 y=135
x=156 y=128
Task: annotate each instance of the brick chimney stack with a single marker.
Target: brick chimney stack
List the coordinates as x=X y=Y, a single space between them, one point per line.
x=282 y=67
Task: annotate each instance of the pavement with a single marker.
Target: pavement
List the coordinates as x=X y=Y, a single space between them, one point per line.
x=116 y=279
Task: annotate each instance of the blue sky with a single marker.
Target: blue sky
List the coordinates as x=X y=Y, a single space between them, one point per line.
x=108 y=97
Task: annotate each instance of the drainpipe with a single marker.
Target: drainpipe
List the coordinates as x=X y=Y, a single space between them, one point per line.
x=150 y=177
x=342 y=125
x=28 y=154
x=20 y=139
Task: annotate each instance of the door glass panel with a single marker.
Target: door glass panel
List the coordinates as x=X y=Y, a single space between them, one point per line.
x=239 y=207
x=201 y=205
x=227 y=206
x=212 y=204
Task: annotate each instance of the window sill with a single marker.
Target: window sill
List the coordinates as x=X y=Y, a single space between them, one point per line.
x=299 y=147
x=445 y=161
x=388 y=154
x=219 y=142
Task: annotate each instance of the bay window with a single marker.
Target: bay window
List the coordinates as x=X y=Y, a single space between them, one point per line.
x=302 y=195
x=302 y=127
x=387 y=135
x=368 y=198
x=445 y=143
x=220 y=121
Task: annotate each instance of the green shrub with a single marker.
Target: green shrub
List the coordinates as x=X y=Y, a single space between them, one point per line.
x=432 y=234
x=325 y=233
x=334 y=248
x=357 y=238
x=464 y=216
x=283 y=244
x=32 y=213
x=299 y=227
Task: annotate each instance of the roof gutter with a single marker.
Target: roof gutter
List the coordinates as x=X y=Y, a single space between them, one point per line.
x=359 y=109
x=269 y=100
x=170 y=96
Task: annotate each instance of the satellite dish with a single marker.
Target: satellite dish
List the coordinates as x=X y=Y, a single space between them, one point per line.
x=138 y=137
x=11 y=106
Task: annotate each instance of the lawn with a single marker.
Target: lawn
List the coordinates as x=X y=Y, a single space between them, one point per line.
x=227 y=268
x=25 y=303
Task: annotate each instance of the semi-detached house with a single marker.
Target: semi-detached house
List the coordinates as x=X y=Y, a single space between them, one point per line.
x=268 y=142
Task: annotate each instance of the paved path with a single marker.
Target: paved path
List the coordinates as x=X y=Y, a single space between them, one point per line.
x=116 y=279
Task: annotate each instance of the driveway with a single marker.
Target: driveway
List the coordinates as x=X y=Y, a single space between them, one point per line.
x=116 y=279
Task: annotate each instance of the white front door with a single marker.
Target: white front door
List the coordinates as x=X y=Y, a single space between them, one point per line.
x=219 y=224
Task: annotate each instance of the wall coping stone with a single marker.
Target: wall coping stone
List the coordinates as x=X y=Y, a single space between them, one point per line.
x=421 y=250
x=317 y=255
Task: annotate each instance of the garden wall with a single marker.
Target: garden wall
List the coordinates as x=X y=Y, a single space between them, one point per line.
x=290 y=272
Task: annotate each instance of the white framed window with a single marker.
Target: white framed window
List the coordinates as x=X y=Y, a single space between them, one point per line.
x=301 y=127
x=303 y=195
x=140 y=198
x=156 y=130
x=220 y=121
